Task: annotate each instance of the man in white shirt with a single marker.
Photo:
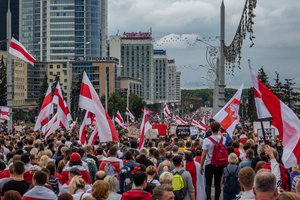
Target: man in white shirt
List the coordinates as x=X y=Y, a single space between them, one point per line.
x=206 y=158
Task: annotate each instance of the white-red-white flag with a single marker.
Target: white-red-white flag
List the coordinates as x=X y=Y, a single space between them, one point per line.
x=228 y=116
x=145 y=126
x=4 y=113
x=52 y=125
x=93 y=137
x=63 y=112
x=119 y=120
x=82 y=130
x=89 y=100
x=283 y=118
x=180 y=121
x=128 y=113
x=166 y=110
x=199 y=125
x=45 y=111
x=18 y=50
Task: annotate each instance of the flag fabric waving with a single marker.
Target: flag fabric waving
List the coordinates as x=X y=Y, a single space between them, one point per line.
x=199 y=125
x=145 y=126
x=166 y=110
x=4 y=113
x=89 y=100
x=228 y=116
x=283 y=118
x=119 y=120
x=18 y=50
x=63 y=112
x=180 y=121
x=82 y=131
x=128 y=113
x=45 y=111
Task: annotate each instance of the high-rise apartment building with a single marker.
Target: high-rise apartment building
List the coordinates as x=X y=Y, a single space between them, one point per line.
x=55 y=30
x=160 y=62
x=171 y=80
x=178 y=84
x=135 y=53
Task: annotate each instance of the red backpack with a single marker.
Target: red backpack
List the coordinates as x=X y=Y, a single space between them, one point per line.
x=220 y=154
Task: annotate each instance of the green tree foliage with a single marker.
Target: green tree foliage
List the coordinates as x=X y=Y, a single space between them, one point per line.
x=3 y=83
x=262 y=75
x=119 y=102
x=43 y=90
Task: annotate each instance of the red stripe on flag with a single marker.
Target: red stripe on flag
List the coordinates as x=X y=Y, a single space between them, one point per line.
x=85 y=91
x=22 y=51
x=47 y=101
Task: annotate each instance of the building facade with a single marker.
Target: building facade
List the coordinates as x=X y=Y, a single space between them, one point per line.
x=171 y=80
x=56 y=30
x=19 y=80
x=178 y=85
x=100 y=73
x=130 y=84
x=160 y=84
x=135 y=53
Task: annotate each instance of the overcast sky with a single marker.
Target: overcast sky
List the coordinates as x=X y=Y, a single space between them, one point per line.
x=276 y=28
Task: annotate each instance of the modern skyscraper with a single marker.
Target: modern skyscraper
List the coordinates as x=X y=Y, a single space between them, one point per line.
x=135 y=53
x=55 y=30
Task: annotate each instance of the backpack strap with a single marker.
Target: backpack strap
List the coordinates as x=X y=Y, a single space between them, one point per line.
x=211 y=139
x=214 y=141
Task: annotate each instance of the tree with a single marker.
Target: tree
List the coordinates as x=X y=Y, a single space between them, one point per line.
x=277 y=88
x=289 y=95
x=136 y=104
x=3 y=83
x=43 y=90
x=263 y=77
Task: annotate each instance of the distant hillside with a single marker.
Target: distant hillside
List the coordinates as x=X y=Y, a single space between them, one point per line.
x=207 y=94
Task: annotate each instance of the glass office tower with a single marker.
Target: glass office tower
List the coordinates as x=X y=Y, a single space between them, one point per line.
x=55 y=30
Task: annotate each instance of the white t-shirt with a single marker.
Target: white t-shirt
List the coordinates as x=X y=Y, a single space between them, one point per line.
x=209 y=146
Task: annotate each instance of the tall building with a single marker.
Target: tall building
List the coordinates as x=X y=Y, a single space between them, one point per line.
x=171 y=80
x=100 y=72
x=19 y=79
x=135 y=53
x=14 y=25
x=178 y=85
x=56 y=30
x=160 y=62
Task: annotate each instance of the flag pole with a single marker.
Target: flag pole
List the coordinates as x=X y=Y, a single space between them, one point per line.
x=263 y=131
x=9 y=69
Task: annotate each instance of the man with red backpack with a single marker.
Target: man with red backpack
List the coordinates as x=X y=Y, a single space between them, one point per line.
x=214 y=158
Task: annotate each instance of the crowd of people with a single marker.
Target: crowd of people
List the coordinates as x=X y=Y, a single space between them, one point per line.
x=166 y=168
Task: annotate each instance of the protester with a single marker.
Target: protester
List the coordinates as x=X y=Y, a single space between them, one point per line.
x=163 y=192
x=231 y=185
x=12 y=195
x=265 y=186
x=187 y=190
x=206 y=159
x=140 y=181
x=246 y=179
x=39 y=191
x=113 y=187
x=111 y=165
x=18 y=183
x=77 y=187
x=100 y=190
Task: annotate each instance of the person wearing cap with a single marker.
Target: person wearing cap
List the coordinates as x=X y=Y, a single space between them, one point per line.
x=75 y=162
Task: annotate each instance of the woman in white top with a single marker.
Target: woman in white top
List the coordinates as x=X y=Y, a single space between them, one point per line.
x=77 y=188
x=113 y=187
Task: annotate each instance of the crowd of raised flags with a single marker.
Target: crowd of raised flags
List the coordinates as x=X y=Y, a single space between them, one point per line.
x=267 y=104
